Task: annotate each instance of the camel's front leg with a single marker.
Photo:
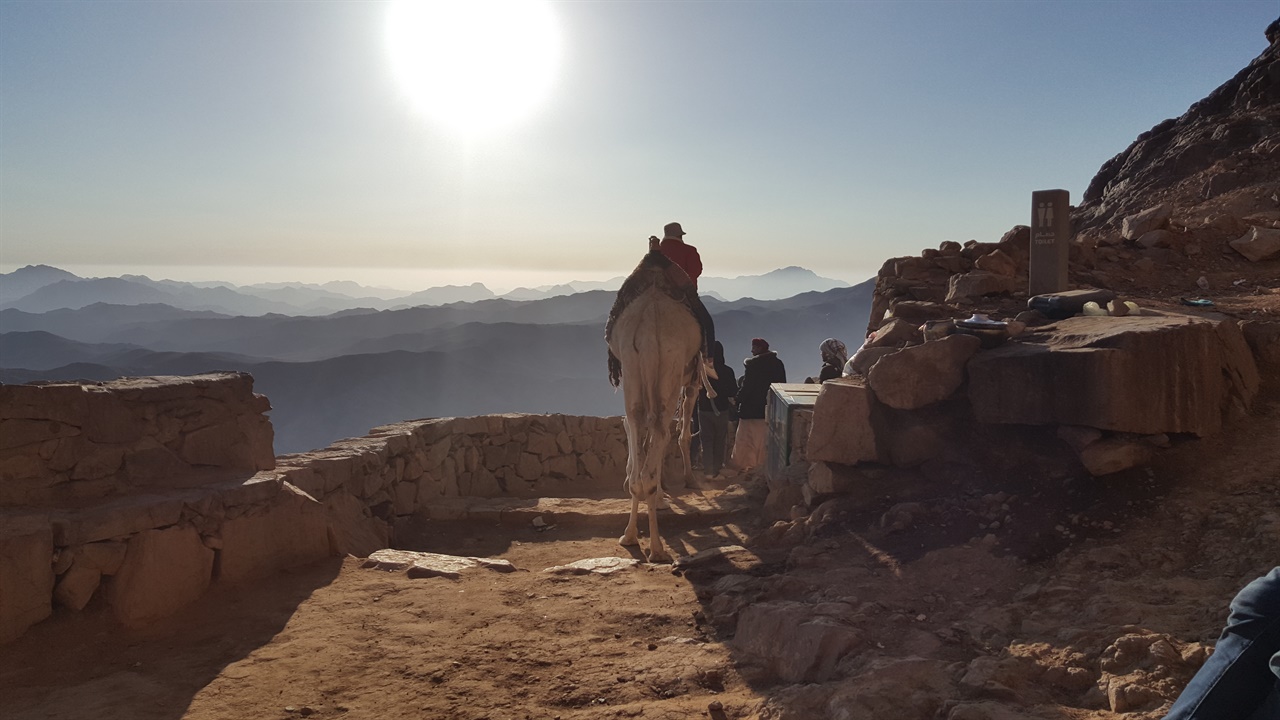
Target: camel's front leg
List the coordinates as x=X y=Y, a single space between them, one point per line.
x=631 y=536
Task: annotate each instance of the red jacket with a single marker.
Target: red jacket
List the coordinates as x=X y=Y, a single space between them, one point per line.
x=684 y=255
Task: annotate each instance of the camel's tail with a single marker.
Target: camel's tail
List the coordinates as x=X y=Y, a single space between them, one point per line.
x=615 y=369
x=702 y=378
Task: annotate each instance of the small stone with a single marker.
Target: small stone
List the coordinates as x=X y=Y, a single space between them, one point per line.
x=653 y=646
x=715 y=706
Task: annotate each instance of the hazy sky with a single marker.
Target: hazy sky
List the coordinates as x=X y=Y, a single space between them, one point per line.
x=249 y=141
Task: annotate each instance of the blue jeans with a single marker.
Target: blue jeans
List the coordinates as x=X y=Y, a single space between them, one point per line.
x=1239 y=681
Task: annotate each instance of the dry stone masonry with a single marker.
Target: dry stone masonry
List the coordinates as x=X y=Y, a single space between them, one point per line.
x=141 y=493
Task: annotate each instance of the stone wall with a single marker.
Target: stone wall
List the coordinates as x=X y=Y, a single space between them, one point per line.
x=1088 y=393
x=405 y=466
x=70 y=443
x=189 y=494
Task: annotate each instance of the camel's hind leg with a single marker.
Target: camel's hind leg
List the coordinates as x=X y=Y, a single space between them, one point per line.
x=651 y=475
x=631 y=537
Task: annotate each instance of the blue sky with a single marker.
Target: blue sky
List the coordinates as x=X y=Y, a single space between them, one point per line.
x=248 y=141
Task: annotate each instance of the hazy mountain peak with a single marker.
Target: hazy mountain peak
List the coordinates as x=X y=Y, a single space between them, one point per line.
x=28 y=279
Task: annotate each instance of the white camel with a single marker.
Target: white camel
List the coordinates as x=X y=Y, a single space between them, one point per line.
x=657 y=341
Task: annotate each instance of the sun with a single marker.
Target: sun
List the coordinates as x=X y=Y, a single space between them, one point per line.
x=473 y=65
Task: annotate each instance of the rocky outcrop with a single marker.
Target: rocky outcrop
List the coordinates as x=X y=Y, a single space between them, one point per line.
x=1095 y=393
x=1135 y=374
x=1226 y=142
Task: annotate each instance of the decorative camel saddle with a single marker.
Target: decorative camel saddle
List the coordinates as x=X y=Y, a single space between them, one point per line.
x=656 y=271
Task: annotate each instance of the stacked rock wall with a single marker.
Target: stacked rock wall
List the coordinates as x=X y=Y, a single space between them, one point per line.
x=69 y=443
x=141 y=493
x=189 y=493
x=405 y=466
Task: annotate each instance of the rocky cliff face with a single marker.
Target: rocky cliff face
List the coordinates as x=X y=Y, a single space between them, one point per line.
x=1190 y=210
x=1223 y=149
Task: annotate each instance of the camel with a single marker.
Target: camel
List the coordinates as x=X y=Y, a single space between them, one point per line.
x=655 y=352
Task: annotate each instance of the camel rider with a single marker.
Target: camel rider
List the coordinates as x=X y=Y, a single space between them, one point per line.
x=686 y=257
x=680 y=253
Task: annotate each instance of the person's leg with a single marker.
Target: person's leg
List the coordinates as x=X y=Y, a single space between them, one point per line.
x=748 y=446
x=720 y=423
x=1270 y=708
x=707 y=438
x=1236 y=681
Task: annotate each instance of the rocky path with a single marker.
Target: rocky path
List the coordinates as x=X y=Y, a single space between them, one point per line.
x=1041 y=603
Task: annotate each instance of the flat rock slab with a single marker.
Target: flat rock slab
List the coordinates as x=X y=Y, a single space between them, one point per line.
x=711 y=555
x=598 y=566
x=425 y=564
x=703 y=504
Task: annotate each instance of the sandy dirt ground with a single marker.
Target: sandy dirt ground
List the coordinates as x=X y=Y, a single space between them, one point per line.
x=950 y=616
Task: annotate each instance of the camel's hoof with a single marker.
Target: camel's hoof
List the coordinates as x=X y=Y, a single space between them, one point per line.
x=627 y=541
x=658 y=557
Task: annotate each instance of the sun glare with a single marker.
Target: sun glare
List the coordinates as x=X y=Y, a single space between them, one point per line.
x=474 y=65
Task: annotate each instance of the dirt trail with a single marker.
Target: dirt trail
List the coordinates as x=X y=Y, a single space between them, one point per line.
x=951 y=617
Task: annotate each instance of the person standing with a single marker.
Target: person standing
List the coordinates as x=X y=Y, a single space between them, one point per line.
x=715 y=414
x=761 y=370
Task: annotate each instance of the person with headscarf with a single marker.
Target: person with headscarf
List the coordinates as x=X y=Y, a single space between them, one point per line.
x=834 y=356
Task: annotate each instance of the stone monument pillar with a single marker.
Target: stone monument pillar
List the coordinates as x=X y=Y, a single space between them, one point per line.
x=1050 y=241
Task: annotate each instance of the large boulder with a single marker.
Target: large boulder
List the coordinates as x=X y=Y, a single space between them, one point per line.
x=163 y=570
x=1112 y=455
x=1258 y=244
x=1139 y=224
x=26 y=573
x=894 y=334
x=1264 y=341
x=797 y=643
x=842 y=430
x=979 y=283
x=922 y=375
x=292 y=531
x=1143 y=375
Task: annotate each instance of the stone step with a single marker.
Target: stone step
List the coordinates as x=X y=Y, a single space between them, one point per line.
x=700 y=506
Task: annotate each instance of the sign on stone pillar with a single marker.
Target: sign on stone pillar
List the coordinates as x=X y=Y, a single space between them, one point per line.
x=1050 y=241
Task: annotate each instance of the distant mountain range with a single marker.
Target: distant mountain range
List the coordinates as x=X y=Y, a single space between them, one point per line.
x=41 y=288
x=337 y=375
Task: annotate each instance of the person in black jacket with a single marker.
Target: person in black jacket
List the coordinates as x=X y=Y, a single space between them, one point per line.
x=761 y=370
x=714 y=415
